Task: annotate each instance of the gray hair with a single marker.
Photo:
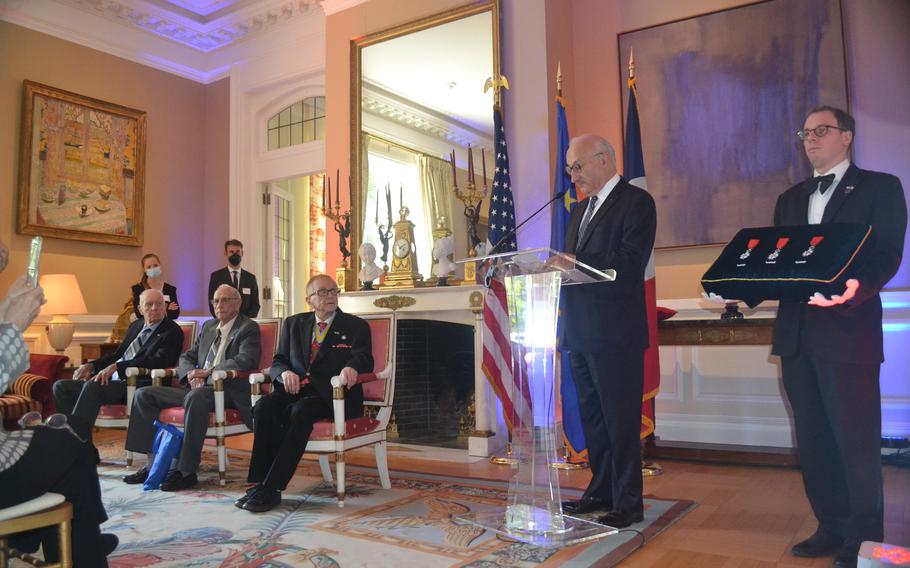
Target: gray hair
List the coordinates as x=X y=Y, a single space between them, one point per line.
x=233 y=291
x=145 y=294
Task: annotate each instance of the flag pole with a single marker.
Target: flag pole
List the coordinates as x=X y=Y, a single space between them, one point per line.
x=648 y=468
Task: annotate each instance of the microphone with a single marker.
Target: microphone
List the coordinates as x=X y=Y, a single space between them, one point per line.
x=488 y=279
x=509 y=234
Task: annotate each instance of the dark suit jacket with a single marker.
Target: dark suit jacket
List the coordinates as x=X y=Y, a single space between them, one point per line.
x=620 y=236
x=241 y=353
x=168 y=290
x=250 y=305
x=348 y=344
x=853 y=331
x=160 y=351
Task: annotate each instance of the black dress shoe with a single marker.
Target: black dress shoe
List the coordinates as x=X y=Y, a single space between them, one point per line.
x=822 y=543
x=176 y=481
x=246 y=496
x=847 y=555
x=137 y=478
x=262 y=500
x=621 y=519
x=109 y=542
x=585 y=505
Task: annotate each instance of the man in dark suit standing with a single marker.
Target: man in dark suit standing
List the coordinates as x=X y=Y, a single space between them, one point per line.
x=313 y=348
x=229 y=342
x=152 y=342
x=232 y=275
x=605 y=327
x=831 y=349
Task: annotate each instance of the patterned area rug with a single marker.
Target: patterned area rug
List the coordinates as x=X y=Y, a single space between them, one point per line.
x=408 y=525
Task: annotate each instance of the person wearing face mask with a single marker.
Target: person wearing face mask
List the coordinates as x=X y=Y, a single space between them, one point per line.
x=151 y=278
x=232 y=275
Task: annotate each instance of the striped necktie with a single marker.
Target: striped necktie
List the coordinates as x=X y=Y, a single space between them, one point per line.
x=213 y=352
x=314 y=348
x=587 y=218
x=137 y=344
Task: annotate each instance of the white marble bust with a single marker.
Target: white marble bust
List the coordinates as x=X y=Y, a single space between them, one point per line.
x=369 y=270
x=443 y=247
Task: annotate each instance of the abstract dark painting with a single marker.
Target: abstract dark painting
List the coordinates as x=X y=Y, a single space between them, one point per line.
x=720 y=98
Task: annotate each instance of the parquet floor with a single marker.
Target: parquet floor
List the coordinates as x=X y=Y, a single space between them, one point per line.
x=747 y=517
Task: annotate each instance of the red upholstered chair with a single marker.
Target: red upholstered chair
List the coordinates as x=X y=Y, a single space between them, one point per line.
x=224 y=421
x=339 y=435
x=118 y=415
x=32 y=390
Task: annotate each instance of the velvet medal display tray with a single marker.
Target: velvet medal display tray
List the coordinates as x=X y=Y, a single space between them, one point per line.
x=788 y=263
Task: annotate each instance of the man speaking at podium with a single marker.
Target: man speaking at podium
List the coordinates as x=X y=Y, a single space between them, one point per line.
x=831 y=349
x=605 y=327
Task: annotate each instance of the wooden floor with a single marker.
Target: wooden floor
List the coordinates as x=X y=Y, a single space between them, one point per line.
x=746 y=516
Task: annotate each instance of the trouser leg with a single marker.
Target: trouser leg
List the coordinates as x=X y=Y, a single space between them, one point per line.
x=148 y=402
x=301 y=415
x=269 y=419
x=197 y=404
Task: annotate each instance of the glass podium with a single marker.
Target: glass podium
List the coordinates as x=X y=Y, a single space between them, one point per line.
x=530 y=281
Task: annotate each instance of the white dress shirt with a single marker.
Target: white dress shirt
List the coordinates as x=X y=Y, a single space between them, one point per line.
x=817 y=201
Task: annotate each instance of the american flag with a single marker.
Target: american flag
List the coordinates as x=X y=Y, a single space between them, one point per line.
x=498 y=361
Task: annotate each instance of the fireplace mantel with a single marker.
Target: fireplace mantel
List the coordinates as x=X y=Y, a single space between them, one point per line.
x=456 y=304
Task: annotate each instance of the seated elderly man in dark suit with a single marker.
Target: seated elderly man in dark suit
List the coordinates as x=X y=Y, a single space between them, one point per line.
x=229 y=342
x=151 y=342
x=313 y=348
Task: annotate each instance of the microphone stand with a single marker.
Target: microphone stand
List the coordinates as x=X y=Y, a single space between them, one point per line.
x=488 y=279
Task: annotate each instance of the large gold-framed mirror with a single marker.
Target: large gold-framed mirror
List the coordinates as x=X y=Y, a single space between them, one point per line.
x=418 y=93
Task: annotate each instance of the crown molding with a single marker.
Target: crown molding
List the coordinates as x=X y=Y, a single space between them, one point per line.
x=385 y=104
x=64 y=20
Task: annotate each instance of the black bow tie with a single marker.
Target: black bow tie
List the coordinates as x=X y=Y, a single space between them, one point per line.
x=822 y=183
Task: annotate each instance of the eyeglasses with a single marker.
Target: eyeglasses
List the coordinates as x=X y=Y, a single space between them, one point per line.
x=326 y=292
x=820 y=131
x=576 y=168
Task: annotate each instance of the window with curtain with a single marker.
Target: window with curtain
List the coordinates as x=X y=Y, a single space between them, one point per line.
x=396 y=168
x=301 y=122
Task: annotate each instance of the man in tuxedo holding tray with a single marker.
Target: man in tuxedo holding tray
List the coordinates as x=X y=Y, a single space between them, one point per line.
x=831 y=349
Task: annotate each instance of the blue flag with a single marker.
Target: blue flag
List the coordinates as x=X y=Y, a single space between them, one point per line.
x=571 y=416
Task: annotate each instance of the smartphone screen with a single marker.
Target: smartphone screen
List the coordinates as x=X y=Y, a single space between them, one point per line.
x=34 y=258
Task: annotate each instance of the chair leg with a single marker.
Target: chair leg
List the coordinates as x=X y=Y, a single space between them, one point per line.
x=324 y=467
x=222 y=461
x=4 y=552
x=339 y=475
x=382 y=464
x=66 y=553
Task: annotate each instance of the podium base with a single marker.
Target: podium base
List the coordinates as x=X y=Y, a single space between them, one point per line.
x=572 y=530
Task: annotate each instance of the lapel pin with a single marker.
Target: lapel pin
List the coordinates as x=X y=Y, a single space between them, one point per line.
x=848 y=189
x=343 y=338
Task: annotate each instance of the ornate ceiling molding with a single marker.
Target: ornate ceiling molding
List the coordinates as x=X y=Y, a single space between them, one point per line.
x=205 y=36
x=385 y=104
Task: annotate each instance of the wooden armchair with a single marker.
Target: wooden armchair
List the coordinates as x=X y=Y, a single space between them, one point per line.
x=223 y=421
x=118 y=415
x=339 y=435
x=48 y=510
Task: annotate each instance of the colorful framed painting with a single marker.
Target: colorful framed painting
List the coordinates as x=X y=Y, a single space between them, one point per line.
x=81 y=167
x=720 y=97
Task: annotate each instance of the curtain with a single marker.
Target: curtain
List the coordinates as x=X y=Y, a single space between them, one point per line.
x=435 y=184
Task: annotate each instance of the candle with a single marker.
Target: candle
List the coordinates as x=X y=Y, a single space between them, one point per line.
x=329 y=186
x=400 y=196
x=337 y=187
x=323 y=192
x=470 y=165
x=483 y=160
x=454 y=177
x=377 y=207
x=388 y=202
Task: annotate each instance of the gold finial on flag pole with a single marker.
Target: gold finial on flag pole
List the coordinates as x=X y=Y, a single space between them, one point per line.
x=497 y=85
x=559 y=79
x=631 y=66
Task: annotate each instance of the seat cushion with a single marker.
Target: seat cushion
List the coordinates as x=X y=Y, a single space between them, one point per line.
x=322 y=430
x=32 y=506
x=174 y=416
x=111 y=411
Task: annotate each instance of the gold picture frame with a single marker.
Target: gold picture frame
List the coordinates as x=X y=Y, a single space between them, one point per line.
x=81 y=167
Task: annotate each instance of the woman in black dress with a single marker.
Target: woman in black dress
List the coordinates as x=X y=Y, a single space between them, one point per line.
x=151 y=278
